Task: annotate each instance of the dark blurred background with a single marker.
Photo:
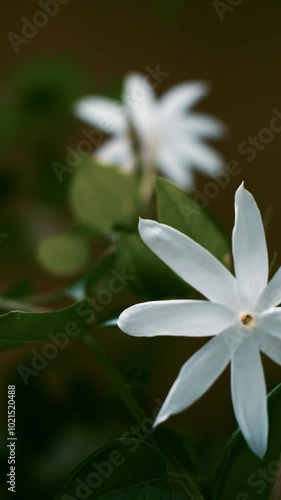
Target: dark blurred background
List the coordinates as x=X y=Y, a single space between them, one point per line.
x=87 y=47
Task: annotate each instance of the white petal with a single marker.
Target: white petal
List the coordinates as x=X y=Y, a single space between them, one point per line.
x=195 y=377
x=271 y=346
x=103 y=113
x=249 y=395
x=271 y=322
x=202 y=156
x=249 y=247
x=190 y=261
x=189 y=318
x=182 y=97
x=137 y=91
x=116 y=151
x=174 y=166
x=271 y=296
x=140 y=106
x=199 y=124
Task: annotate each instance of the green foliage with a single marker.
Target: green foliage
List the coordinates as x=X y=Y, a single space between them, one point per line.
x=18 y=328
x=47 y=87
x=103 y=197
x=126 y=469
x=178 y=209
x=63 y=254
x=242 y=475
x=153 y=278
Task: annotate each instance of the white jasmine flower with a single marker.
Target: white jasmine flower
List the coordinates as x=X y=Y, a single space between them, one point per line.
x=241 y=315
x=167 y=137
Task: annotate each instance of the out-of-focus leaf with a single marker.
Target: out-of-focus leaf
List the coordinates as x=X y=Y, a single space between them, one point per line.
x=47 y=86
x=150 y=276
x=63 y=254
x=178 y=209
x=126 y=469
x=18 y=328
x=102 y=197
x=241 y=475
x=101 y=274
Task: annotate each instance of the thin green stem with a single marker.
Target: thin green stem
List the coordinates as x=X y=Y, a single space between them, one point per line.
x=134 y=408
x=115 y=378
x=188 y=485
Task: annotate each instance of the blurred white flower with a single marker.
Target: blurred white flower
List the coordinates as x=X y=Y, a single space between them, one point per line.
x=242 y=315
x=168 y=135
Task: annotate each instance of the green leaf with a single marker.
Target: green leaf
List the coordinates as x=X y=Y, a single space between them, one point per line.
x=126 y=469
x=18 y=328
x=100 y=275
x=178 y=209
x=103 y=197
x=63 y=254
x=179 y=449
x=47 y=86
x=241 y=475
x=152 y=278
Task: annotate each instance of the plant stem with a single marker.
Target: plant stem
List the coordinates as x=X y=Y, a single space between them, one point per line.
x=134 y=408
x=188 y=485
x=115 y=378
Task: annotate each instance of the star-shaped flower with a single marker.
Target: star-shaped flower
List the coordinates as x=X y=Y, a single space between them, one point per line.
x=166 y=137
x=241 y=315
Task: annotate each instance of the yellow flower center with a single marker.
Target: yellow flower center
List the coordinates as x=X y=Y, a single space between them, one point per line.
x=247 y=320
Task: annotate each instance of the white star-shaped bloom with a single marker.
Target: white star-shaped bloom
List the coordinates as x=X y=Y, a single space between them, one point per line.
x=241 y=314
x=164 y=131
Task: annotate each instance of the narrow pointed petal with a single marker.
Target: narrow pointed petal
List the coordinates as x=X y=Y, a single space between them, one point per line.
x=116 y=151
x=271 y=295
x=271 y=346
x=141 y=106
x=102 y=112
x=249 y=247
x=174 y=166
x=196 y=377
x=190 y=261
x=188 y=318
x=270 y=322
x=199 y=124
x=204 y=157
x=249 y=395
x=183 y=97
x=137 y=91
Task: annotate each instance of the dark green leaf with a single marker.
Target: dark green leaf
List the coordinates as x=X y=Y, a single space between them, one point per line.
x=242 y=475
x=152 y=278
x=178 y=209
x=126 y=469
x=179 y=449
x=101 y=273
x=19 y=328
